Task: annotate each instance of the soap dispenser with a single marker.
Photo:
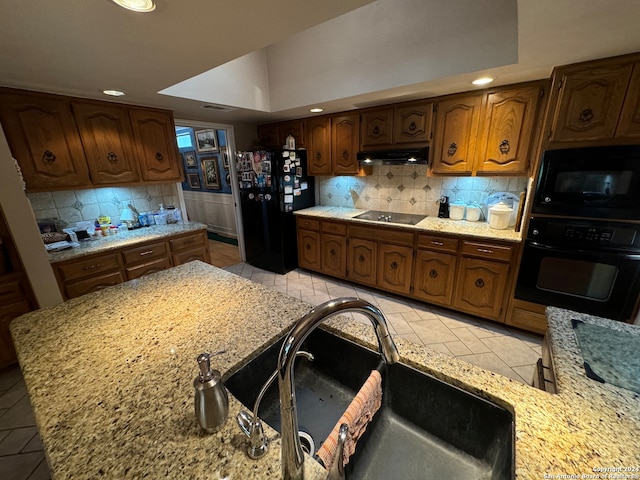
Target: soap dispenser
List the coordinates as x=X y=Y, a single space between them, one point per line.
x=211 y=400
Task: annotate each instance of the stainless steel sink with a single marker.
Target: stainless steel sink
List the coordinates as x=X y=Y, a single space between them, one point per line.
x=391 y=217
x=425 y=428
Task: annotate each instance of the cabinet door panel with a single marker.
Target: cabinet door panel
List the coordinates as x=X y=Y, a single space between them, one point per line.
x=481 y=287
x=43 y=137
x=509 y=124
x=345 y=140
x=155 y=138
x=377 y=128
x=309 y=249
x=395 y=267
x=295 y=128
x=107 y=137
x=190 y=256
x=629 y=124
x=8 y=313
x=268 y=136
x=318 y=132
x=147 y=268
x=434 y=277
x=362 y=260
x=412 y=124
x=589 y=103
x=334 y=255
x=456 y=132
x=92 y=284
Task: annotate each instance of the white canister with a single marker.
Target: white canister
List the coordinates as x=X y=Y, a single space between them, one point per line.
x=474 y=212
x=499 y=216
x=456 y=210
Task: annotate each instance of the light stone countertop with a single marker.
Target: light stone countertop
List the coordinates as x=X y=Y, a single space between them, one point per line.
x=125 y=239
x=429 y=224
x=110 y=374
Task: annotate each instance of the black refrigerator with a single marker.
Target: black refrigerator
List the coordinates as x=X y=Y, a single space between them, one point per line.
x=273 y=185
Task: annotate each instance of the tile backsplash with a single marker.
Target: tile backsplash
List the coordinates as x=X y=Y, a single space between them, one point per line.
x=71 y=206
x=407 y=189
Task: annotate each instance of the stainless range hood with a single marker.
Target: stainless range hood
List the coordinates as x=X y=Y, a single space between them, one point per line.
x=414 y=156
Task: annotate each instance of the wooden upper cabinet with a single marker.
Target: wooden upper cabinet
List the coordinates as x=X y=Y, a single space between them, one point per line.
x=268 y=136
x=629 y=123
x=345 y=140
x=318 y=132
x=107 y=137
x=377 y=128
x=42 y=135
x=509 y=125
x=155 y=137
x=295 y=128
x=456 y=132
x=412 y=123
x=589 y=102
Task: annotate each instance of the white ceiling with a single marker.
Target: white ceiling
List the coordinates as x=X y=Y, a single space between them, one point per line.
x=80 y=47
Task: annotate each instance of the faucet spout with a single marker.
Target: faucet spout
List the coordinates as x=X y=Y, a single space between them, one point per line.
x=292 y=456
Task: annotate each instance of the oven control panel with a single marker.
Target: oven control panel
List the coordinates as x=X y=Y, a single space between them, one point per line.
x=577 y=233
x=589 y=234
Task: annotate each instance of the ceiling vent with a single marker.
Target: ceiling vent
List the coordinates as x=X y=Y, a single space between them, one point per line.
x=219 y=108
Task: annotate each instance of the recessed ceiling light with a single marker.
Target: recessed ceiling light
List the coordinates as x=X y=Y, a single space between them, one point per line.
x=483 y=80
x=114 y=93
x=137 y=5
x=316 y=110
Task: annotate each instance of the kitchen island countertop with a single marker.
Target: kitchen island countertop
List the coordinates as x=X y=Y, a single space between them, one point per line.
x=110 y=374
x=429 y=224
x=125 y=239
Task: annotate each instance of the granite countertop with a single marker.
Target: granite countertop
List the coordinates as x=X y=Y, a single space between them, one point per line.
x=113 y=396
x=429 y=224
x=125 y=239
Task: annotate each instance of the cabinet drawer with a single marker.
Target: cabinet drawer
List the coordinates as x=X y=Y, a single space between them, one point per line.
x=93 y=284
x=147 y=268
x=188 y=241
x=10 y=291
x=335 y=228
x=308 y=224
x=88 y=267
x=398 y=237
x=144 y=253
x=435 y=242
x=487 y=250
x=190 y=256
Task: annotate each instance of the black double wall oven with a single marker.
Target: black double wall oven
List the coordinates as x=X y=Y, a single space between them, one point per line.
x=582 y=249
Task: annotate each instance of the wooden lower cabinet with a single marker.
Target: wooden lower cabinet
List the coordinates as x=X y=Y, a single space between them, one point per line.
x=362 y=259
x=527 y=315
x=309 y=249
x=334 y=255
x=8 y=312
x=481 y=287
x=395 y=264
x=434 y=277
x=94 y=272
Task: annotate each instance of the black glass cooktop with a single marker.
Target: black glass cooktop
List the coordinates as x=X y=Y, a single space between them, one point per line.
x=391 y=217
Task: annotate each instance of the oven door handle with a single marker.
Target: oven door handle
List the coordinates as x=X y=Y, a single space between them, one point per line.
x=543 y=246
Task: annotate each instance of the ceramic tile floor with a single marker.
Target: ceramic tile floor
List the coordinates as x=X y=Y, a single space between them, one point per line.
x=490 y=345
x=509 y=352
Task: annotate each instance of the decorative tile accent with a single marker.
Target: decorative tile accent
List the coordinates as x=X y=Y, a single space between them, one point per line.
x=77 y=205
x=389 y=199
x=412 y=201
x=329 y=195
x=401 y=187
x=414 y=175
x=378 y=186
x=390 y=175
x=426 y=188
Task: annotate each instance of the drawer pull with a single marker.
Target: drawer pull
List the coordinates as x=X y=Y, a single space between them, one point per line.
x=479 y=283
x=440 y=244
x=148 y=252
x=188 y=242
x=332 y=252
x=48 y=156
x=361 y=259
x=92 y=267
x=433 y=273
x=484 y=250
x=394 y=265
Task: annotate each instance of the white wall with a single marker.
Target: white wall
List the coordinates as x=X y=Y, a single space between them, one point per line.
x=216 y=210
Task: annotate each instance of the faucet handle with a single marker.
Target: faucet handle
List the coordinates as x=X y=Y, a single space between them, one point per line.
x=336 y=472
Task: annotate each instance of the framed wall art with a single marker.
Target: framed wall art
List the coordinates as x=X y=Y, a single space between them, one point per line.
x=190 y=159
x=194 y=180
x=225 y=158
x=211 y=172
x=206 y=140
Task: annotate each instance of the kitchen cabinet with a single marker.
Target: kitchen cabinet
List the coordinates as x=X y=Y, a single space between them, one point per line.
x=345 y=142
x=362 y=260
x=65 y=143
x=90 y=273
x=155 y=138
x=526 y=315
x=268 y=136
x=435 y=269
x=457 y=122
x=107 y=137
x=482 y=279
x=395 y=264
x=274 y=135
x=309 y=243
x=377 y=128
x=334 y=249
x=596 y=102
x=412 y=123
x=42 y=135
x=318 y=131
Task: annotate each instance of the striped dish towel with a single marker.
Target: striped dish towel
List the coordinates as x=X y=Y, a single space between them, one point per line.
x=357 y=416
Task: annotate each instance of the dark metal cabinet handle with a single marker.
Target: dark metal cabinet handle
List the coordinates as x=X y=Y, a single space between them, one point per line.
x=376 y=130
x=345 y=154
x=412 y=126
x=504 y=147
x=479 y=283
x=440 y=244
x=433 y=273
x=92 y=267
x=484 y=250
x=453 y=148
x=159 y=156
x=361 y=259
x=307 y=246
x=148 y=252
x=586 y=115
x=48 y=156
x=112 y=157
x=394 y=265
x=318 y=155
x=332 y=251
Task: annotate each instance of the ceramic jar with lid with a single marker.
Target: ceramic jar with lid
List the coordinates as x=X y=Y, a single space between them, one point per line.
x=456 y=210
x=474 y=212
x=499 y=216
